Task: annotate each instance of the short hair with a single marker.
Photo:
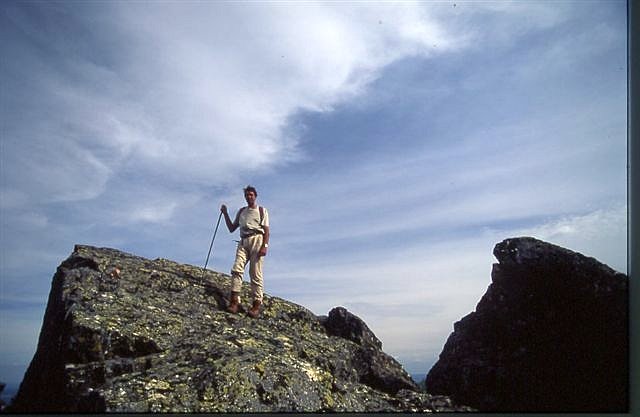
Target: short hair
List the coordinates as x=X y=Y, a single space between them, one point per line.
x=250 y=188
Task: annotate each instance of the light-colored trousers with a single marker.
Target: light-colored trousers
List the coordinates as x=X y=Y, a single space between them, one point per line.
x=247 y=251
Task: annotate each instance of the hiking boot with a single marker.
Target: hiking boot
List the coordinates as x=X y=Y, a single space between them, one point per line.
x=255 y=310
x=234 y=304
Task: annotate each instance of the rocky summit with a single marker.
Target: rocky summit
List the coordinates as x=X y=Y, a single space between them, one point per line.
x=549 y=335
x=122 y=333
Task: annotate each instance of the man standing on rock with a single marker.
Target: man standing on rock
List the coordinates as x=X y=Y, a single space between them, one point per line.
x=253 y=221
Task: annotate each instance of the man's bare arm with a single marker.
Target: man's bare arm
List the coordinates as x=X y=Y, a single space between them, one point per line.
x=232 y=226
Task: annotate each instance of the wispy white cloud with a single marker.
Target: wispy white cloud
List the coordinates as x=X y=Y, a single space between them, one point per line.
x=567 y=53
x=532 y=170
x=206 y=98
x=154 y=212
x=601 y=233
x=410 y=294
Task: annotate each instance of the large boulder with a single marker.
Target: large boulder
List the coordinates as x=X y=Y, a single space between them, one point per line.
x=549 y=335
x=123 y=333
x=375 y=368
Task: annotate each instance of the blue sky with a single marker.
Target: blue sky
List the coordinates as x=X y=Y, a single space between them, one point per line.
x=394 y=145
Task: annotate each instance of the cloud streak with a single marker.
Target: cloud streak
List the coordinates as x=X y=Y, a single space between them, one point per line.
x=208 y=95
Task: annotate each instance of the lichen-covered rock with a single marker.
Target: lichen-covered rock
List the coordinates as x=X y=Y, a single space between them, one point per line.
x=549 y=335
x=123 y=333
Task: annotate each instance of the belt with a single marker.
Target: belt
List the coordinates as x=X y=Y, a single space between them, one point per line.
x=250 y=234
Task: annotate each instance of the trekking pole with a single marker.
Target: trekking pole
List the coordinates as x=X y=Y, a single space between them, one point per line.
x=211 y=246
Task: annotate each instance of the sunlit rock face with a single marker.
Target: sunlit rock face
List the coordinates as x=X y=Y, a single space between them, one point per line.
x=123 y=333
x=550 y=334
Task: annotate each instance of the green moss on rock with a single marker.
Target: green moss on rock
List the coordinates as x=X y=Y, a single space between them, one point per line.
x=140 y=335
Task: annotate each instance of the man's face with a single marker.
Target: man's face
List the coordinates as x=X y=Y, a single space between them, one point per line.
x=250 y=196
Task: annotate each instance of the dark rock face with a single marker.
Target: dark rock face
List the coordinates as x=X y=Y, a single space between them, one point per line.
x=344 y=324
x=550 y=334
x=126 y=334
x=375 y=368
x=2 y=404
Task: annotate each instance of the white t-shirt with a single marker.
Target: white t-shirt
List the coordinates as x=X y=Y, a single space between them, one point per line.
x=250 y=221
